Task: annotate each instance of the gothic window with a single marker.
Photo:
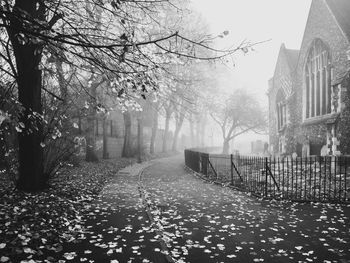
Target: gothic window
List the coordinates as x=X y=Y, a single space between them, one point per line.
x=317 y=81
x=281 y=109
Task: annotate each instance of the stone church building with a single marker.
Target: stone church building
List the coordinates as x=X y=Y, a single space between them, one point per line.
x=309 y=93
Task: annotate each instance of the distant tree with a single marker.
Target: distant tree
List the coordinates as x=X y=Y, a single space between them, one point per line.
x=168 y=109
x=155 y=112
x=201 y=86
x=108 y=37
x=236 y=114
x=184 y=96
x=91 y=155
x=127 y=146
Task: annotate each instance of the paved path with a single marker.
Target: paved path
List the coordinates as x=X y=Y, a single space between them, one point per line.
x=198 y=222
x=203 y=222
x=118 y=229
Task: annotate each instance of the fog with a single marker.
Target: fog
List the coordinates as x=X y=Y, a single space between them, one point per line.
x=273 y=21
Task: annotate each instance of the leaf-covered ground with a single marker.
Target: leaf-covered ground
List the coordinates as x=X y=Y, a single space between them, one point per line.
x=204 y=222
x=197 y=221
x=34 y=226
x=117 y=229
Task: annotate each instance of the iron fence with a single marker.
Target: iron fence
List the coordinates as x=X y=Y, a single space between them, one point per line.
x=319 y=179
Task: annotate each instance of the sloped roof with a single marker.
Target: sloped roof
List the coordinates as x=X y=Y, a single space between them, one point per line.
x=288 y=56
x=292 y=57
x=341 y=11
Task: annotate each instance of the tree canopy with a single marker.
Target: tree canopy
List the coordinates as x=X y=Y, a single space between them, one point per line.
x=236 y=114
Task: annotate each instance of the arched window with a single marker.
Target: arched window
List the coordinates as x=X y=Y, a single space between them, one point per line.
x=281 y=109
x=317 y=81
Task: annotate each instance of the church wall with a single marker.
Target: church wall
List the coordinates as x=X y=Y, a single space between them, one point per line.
x=321 y=24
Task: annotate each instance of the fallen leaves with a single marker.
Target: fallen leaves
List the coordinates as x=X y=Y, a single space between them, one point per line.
x=32 y=225
x=194 y=219
x=223 y=224
x=70 y=255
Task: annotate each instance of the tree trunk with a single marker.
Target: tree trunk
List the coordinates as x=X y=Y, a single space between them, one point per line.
x=177 y=131
x=226 y=147
x=28 y=57
x=176 y=135
x=232 y=145
x=166 y=131
x=31 y=170
x=105 y=154
x=154 y=131
x=61 y=81
x=91 y=155
x=203 y=131
x=198 y=133
x=127 y=147
x=191 y=131
x=203 y=143
x=139 y=140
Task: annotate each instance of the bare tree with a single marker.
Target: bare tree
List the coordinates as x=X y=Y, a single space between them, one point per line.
x=180 y=114
x=106 y=36
x=236 y=114
x=168 y=112
x=155 y=113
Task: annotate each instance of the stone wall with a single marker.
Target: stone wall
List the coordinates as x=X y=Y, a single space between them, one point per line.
x=321 y=24
x=344 y=123
x=273 y=133
x=283 y=79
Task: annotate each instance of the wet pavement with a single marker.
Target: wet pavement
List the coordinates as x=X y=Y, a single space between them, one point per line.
x=204 y=222
x=168 y=210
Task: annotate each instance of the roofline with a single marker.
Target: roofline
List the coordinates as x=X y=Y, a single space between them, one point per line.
x=302 y=40
x=284 y=49
x=269 y=88
x=336 y=20
x=307 y=21
x=290 y=49
x=293 y=70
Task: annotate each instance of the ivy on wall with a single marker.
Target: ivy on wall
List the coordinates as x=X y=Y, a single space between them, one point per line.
x=291 y=128
x=344 y=122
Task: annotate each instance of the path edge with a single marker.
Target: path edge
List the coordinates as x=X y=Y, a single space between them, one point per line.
x=148 y=209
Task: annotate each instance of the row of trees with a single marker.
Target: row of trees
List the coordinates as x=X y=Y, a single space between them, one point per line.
x=195 y=97
x=64 y=59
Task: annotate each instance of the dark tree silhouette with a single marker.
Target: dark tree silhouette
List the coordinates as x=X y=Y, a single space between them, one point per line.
x=100 y=37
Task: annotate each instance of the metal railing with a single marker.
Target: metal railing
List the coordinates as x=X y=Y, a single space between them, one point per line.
x=319 y=179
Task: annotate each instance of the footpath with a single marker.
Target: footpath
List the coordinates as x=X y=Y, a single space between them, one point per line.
x=117 y=227
x=160 y=212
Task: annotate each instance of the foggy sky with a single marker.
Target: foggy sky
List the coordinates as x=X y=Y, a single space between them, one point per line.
x=279 y=21
x=256 y=20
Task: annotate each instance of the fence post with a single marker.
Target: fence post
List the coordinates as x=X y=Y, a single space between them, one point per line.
x=266 y=168
x=231 y=165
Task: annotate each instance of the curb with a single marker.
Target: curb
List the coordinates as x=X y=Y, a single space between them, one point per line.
x=147 y=206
